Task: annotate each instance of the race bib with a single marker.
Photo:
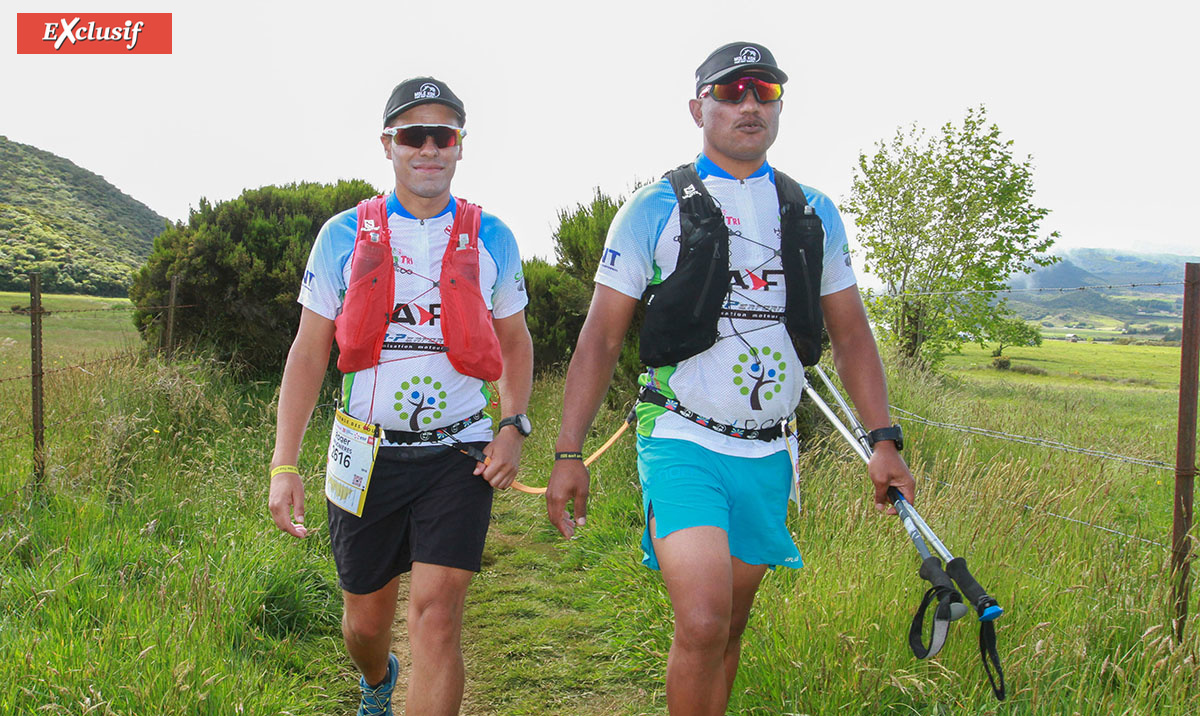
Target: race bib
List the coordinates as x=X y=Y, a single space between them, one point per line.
x=353 y=446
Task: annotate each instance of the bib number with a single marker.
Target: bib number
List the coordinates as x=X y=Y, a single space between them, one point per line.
x=353 y=446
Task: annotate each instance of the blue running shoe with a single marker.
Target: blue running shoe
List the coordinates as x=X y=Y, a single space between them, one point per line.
x=377 y=701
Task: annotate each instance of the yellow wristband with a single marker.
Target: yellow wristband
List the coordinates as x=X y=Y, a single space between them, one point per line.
x=285 y=468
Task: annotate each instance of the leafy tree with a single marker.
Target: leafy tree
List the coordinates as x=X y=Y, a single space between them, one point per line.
x=1011 y=332
x=944 y=222
x=240 y=264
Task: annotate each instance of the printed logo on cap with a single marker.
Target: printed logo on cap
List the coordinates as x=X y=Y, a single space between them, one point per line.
x=749 y=54
x=428 y=91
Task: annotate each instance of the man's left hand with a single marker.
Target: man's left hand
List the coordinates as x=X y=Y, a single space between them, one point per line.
x=505 y=455
x=887 y=469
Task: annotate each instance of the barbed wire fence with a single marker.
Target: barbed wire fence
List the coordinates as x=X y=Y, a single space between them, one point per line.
x=1185 y=454
x=36 y=377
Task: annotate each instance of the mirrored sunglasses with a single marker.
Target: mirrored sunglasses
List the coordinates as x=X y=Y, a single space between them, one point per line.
x=736 y=91
x=414 y=135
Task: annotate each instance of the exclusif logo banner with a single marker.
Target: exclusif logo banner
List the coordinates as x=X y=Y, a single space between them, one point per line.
x=107 y=33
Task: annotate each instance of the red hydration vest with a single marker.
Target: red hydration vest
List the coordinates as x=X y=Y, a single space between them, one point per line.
x=467 y=330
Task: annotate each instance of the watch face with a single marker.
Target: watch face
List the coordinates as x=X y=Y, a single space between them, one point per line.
x=524 y=424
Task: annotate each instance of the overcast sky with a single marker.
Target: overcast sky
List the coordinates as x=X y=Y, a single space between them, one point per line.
x=564 y=97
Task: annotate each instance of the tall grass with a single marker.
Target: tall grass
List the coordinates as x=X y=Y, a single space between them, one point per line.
x=1085 y=608
x=143 y=576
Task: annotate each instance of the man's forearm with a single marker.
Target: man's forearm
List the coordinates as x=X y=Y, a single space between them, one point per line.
x=516 y=382
x=588 y=378
x=861 y=372
x=302 y=377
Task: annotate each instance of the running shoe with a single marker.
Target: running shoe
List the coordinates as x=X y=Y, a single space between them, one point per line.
x=377 y=701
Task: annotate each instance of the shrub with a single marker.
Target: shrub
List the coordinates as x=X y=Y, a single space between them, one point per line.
x=1028 y=369
x=559 y=294
x=240 y=264
x=1001 y=363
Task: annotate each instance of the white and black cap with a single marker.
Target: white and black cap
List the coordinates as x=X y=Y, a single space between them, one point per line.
x=422 y=90
x=732 y=60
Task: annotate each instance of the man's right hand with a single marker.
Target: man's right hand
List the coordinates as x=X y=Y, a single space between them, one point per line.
x=287 y=496
x=568 y=483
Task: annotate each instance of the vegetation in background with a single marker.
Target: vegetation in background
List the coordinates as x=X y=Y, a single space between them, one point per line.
x=240 y=264
x=147 y=576
x=559 y=294
x=939 y=216
x=80 y=232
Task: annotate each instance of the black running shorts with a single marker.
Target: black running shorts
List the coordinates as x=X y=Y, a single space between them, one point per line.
x=423 y=505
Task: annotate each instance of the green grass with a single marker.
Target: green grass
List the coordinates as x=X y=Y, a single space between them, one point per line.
x=77 y=329
x=146 y=577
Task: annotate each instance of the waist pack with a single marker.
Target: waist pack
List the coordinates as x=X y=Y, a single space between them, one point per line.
x=467 y=331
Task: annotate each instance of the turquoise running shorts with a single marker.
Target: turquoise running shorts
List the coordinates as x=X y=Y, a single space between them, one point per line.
x=685 y=485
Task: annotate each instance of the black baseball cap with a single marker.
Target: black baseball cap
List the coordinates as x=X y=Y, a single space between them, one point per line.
x=734 y=59
x=418 y=91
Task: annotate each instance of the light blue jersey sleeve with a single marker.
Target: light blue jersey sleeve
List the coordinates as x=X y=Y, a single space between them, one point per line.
x=324 y=285
x=508 y=293
x=836 y=272
x=627 y=262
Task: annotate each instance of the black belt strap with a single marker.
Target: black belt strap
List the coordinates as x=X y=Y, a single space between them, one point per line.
x=404 y=437
x=649 y=395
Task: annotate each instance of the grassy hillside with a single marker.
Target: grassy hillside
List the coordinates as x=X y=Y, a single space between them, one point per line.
x=82 y=233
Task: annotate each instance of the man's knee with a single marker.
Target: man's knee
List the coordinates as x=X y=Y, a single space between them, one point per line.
x=435 y=620
x=702 y=630
x=364 y=627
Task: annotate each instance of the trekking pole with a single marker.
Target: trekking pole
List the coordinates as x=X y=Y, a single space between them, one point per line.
x=950 y=606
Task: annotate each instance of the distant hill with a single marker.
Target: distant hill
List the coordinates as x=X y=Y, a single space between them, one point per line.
x=1092 y=267
x=83 y=234
x=1134 y=307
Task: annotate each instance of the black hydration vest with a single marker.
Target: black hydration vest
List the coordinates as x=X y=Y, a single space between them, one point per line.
x=682 y=311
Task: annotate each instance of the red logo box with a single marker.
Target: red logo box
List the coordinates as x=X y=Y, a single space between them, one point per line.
x=106 y=33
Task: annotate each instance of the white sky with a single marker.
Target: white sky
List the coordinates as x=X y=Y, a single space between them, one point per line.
x=564 y=97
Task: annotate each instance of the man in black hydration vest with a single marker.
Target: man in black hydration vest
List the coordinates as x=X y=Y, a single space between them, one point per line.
x=738 y=264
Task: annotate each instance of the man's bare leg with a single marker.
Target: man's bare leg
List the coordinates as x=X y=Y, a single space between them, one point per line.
x=435 y=613
x=367 y=629
x=698 y=572
x=746 y=578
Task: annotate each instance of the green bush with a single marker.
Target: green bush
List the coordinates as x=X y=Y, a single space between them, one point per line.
x=240 y=264
x=1001 y=363
x=559 y=294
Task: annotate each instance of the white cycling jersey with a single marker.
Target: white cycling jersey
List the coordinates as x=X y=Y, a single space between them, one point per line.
x=751 y=377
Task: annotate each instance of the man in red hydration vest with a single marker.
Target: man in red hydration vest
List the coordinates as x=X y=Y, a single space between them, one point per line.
x=426 y=298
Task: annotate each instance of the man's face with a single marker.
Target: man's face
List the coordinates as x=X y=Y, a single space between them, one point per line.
x=742 y=131
x=425 y=172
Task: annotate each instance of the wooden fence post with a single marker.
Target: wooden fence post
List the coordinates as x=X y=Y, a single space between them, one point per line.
x=1185 y=446
x=35 y=343
x=171 y=318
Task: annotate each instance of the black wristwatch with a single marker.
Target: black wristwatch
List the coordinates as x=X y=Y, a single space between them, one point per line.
x=520 y=421
x=893 y=433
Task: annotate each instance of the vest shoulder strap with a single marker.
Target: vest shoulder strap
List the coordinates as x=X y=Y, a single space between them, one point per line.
x=789 y=191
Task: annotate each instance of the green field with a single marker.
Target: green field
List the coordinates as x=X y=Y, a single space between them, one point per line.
x=77 y=329
x=146 y=577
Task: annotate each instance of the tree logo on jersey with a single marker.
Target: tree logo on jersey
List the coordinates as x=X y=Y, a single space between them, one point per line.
x=760 y=375
x=421 y=401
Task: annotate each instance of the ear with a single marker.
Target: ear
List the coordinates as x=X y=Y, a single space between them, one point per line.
x=696 y=108
x=386 y=141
